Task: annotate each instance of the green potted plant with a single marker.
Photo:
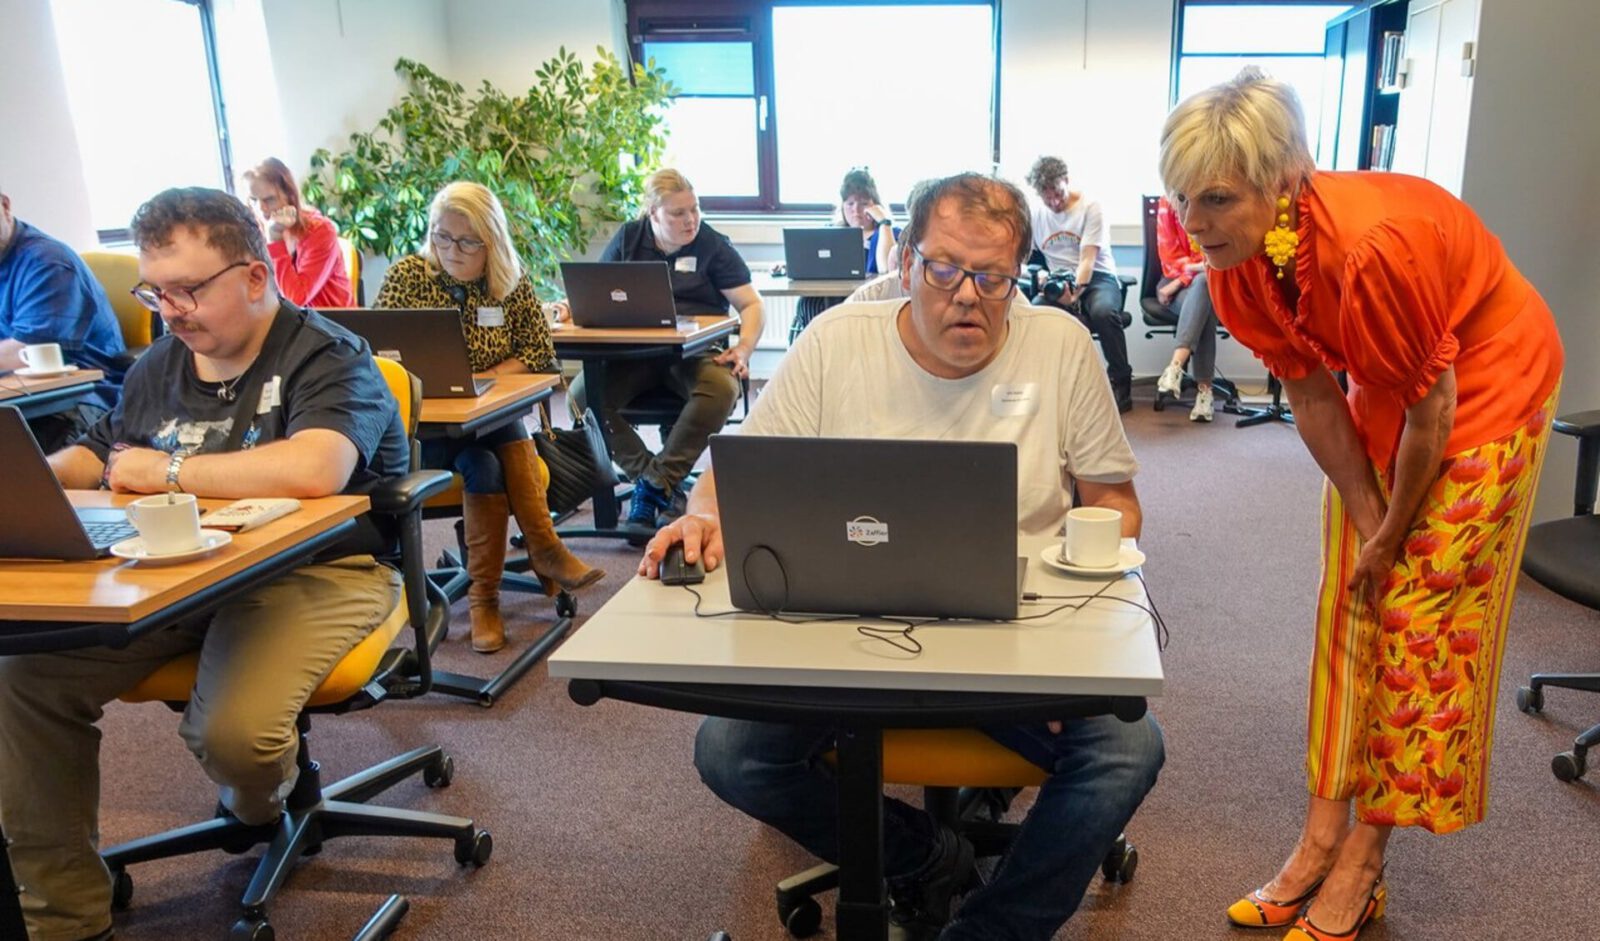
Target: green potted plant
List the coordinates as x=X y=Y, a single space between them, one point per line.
x=566 y=158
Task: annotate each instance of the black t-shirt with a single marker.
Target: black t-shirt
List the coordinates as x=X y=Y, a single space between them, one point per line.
x=316 y=374
x=701 y=270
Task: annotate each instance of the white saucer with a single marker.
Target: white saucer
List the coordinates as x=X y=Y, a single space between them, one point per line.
x=210 y=541
x=28 y=372
x=1128 y=559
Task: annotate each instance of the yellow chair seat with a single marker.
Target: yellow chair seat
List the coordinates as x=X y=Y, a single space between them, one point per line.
x=448 y=497
x=953 y=758
x=173 y=681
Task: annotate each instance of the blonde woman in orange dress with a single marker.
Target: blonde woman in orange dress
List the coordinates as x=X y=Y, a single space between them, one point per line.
x=1453 y=362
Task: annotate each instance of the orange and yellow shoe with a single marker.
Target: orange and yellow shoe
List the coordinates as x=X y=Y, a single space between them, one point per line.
x=1257 y=911
x=1304 y=930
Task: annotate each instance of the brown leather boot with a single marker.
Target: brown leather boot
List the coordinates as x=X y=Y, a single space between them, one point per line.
x=487 y=519
x=526 y=479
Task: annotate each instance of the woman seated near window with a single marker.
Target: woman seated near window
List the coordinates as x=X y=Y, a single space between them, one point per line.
x=306 y=256
x=707 y=276
x=1183 y=288
x=470 y=265
x=859 y=206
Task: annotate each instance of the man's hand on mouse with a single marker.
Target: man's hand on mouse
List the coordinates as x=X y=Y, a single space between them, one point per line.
x=701 y=535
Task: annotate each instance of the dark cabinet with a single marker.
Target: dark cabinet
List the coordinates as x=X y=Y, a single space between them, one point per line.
x=1360 y=99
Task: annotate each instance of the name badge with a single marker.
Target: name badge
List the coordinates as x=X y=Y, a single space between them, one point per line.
x=270 y=398
x=491 y=317
x=688 y=264
x=1010 y=399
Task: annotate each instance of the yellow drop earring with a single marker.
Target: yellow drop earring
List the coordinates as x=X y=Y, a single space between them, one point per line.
x=1281 y=241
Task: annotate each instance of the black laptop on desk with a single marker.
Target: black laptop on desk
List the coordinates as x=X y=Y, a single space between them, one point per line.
x=620 y=293
x=833 y=253
x=427 y=342
x=36 y=519
x=870 y=527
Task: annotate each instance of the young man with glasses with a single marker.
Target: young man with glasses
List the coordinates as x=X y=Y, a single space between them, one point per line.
x=960 y=359
x=48 y=295
x=318 y=420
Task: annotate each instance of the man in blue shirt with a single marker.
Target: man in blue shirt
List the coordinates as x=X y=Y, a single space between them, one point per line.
x=47 y=295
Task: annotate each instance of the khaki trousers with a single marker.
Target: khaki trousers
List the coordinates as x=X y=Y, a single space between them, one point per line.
x=709 y=390
x=261 y=657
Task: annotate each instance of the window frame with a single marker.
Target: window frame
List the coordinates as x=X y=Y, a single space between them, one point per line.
x=682 y=16
x=1180 y=7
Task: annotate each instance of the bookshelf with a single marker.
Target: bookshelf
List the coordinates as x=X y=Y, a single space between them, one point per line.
x=1365 y=61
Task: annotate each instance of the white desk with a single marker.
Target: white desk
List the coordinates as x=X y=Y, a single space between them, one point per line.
x=768 y=286
x=647 y=646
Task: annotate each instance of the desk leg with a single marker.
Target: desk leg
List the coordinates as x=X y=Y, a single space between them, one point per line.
x=863 y=912
x=11 y=925
x=604 y=498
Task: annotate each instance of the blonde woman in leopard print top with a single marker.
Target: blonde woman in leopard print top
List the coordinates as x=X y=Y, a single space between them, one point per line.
x=470 y=264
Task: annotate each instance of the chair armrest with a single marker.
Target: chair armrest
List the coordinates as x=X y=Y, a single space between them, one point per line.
x=1579 y=424
x=397 y=496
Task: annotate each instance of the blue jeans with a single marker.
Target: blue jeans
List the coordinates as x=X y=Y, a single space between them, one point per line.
x=1100 y=770
x=474 y=458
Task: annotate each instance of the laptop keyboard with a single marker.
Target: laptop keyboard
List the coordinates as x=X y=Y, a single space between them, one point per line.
x=102 y=535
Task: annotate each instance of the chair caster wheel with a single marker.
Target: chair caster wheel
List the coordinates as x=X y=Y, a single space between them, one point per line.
x=121 y=890
x=1530 y=700
x=801 y=917
x=475 y=850
x=440 y=773
x=1121 y=863
x=1568 y=766
x=246 y=929
x=566 y=605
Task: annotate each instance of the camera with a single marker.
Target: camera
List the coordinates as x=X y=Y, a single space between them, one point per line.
x=1041 y=284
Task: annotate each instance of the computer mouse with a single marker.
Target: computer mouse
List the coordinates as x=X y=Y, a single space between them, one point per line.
x=779 y=271
x=675 y=571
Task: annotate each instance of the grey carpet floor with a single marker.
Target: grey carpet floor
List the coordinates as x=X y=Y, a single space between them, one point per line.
x=602 y=829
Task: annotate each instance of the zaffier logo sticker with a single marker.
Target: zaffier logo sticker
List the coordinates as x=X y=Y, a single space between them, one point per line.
x=620 y=296
x=866 y=531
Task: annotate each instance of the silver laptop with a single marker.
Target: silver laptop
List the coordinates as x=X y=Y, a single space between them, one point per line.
x=428 y=342
x=36 y=519
x=619 y=293
x=870 y=527
x=833 y=253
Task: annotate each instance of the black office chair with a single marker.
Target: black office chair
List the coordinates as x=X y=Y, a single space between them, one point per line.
x=1561 y=555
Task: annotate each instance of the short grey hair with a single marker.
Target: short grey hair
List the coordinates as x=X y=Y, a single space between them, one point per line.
x=989 y=198
x=1251 y=128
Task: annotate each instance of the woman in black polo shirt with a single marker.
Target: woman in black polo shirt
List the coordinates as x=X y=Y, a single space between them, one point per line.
x=708 y=277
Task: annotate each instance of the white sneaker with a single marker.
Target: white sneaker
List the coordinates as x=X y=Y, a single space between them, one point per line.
x=1171 y=380
x=1202 y=410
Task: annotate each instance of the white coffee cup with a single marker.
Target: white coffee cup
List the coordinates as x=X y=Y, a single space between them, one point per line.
x=43 y=357
x=1094 y=537
x=167 y=522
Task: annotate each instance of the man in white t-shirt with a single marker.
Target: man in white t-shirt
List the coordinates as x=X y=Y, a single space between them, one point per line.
x=928 y=367
x=1070 y=230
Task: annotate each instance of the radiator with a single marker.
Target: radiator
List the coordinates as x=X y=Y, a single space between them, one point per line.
x=775 y=329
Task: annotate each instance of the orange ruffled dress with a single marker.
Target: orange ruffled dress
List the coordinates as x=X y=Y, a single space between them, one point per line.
x=1398 y=281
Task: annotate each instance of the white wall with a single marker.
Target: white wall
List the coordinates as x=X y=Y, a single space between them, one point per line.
x=1533 y=173
x=39 y=164
x=505 y=41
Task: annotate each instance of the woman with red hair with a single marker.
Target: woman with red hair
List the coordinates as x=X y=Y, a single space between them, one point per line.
x=304 y=245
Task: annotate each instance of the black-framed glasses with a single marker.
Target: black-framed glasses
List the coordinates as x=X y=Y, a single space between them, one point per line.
x=464 y=245
x=179 y=299
x=948 y=277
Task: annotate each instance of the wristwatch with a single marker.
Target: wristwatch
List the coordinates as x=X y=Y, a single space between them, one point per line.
x=887 y=222
x=174 y=465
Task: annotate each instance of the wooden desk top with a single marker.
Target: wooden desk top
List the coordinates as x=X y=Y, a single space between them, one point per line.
x=115 y=591
x=689 y=330
x=648 y=632
x=505 y=391
x=768 y=286
x=15 y=386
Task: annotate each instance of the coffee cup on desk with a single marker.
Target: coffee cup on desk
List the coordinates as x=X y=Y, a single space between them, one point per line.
x=43 y=357
x=1094 y=537
x=167 y=522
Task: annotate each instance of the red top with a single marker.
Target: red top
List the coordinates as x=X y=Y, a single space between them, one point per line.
x=1174 y=246
x=1398 y=281
x=314 y=276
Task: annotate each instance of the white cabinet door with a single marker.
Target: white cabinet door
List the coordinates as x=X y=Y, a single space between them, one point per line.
x=1452 y=92
x=1415 y=118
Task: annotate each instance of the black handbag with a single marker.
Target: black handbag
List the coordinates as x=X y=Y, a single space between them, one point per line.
x=570 y=460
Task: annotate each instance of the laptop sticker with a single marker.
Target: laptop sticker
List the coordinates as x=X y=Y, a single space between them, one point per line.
x=388 y=354
x=619 y=296
x=866 y=531
x=824 y=253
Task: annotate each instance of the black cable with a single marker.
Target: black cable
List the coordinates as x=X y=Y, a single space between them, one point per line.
x=1077 y=602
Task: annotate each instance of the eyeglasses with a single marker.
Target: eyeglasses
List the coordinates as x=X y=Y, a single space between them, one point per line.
x=466 y=246
x=181 y=299
x=948 y=277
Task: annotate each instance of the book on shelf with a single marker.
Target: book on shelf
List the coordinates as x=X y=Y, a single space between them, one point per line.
x=1390 y=50
x=1380 y=156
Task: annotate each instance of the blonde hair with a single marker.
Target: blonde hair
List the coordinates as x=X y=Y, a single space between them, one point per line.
x=661 y=184
x=502 y=268
x=1251 y=128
